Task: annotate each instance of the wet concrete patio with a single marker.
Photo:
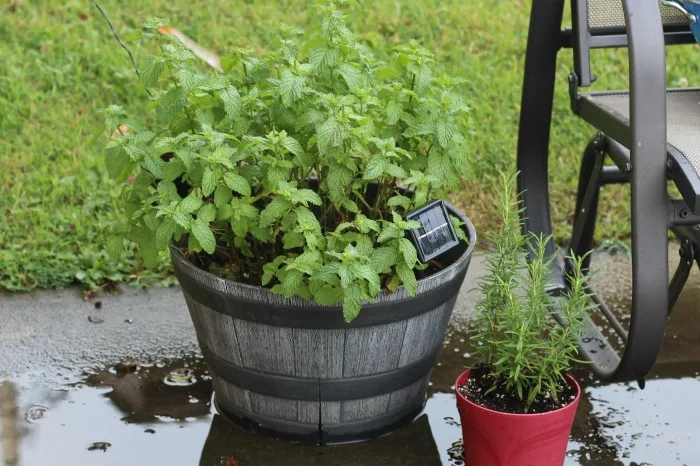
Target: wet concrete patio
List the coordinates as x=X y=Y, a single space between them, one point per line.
x=64 y=398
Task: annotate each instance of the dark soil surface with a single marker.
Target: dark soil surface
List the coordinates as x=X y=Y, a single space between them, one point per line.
x=481 y=380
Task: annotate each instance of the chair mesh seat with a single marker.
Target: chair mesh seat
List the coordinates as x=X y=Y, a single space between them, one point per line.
x=609 y=14
x=683 y=118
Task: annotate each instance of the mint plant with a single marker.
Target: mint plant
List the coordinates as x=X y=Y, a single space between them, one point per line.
x=292 y=169
x=525 y=351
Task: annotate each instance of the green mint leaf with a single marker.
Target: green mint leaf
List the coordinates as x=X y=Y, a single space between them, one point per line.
x=209 y=181
x=352 y=76
x=383 y=259
x=170 y=106
x=204 y=236
x=306 y=196
x=439 y=166
x=292 y=283
x=402 y=201
x=173 y=169
x=293 y=146
x=393 y=112
x=222 y=195
x=118 y=163
x=237 y=183
x=408 y=277
x=151 y=71
x=291 y=87
x=115 y=247
x=207 y=213
x=371 y=276
x=406 y=248
x=189 y=204
x=274 y=211
x=352 y=302
x=328 y=295
x=323 y=56
x=164 y=233
x=231 y=100
x=375 y=168
x=446 y=132
x=293 y=240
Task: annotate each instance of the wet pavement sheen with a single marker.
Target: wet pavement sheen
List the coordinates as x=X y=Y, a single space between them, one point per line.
x=162 y=413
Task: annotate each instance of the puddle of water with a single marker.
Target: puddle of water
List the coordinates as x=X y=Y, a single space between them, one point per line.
x=138 y=419
x=162 y=413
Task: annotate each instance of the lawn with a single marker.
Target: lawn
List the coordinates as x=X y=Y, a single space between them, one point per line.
x=59 y=65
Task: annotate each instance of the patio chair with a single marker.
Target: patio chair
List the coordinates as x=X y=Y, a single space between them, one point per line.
x=650 y=133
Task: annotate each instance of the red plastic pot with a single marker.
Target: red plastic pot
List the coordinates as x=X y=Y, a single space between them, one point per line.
x=493 y=438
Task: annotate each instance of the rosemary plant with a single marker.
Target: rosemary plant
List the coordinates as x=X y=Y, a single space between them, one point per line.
x=526 y=352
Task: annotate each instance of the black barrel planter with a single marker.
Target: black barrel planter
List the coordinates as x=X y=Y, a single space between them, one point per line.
x=297 y=370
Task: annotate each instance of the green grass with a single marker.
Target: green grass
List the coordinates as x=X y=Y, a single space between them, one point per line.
x=59 y=65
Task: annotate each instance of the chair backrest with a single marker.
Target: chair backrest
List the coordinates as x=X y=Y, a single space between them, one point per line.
x=606 y=16
x=601 y=24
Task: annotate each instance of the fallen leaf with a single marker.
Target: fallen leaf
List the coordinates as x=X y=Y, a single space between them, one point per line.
x=95 y=320
x=128 y=366
x=229 y=461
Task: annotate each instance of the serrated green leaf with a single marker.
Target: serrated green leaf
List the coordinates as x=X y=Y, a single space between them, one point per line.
x=375 y=168
x=439 y=166
x=190 y=204
x=231 y=100
x=170 y=106
x=292 y=240
x=446 y=131
x=306 y=219
x=307 y=262
x=207 y=213
x=209 y=181
x=292 y=283
x=389 y=231
x=352 y=302
x=395 y=171
x=115 y=247
x=154 y=165
x=367 y=272
x=406 y=248
x=293 y=146
x=173 y=169
x=330 y=134
x=323 y=56
x=393 y=112
x=399 y=200
x=237 y=183
x=151 y=71
x=118 y=163
x=189 y=80
x=383 y=259
x=364 y=224
x=306 y=196
x=408 y=278
x=182 y=219
x=328 y=295
x=164 y=233
x=291 y=87
x=274 y=211
x=352 y=76
x=204 y=236
x=222 y=195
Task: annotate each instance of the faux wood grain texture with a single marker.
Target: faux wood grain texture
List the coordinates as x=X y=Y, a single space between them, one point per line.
x=319 y=353
x=266 y=348
x=231 y=397
x=373 y=350
x=365 y=408
x=222 y=340
x=412 y=395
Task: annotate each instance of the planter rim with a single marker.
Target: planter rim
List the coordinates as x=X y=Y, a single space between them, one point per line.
x=224 y=283
x=464 y=376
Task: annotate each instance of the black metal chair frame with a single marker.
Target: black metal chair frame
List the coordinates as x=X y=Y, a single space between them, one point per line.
x=636 y=149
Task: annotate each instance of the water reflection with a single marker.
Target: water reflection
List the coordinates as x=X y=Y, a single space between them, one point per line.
x=9 y=428
x=411 y=445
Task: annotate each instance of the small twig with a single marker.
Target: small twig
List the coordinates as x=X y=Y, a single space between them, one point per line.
x=133 y=62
